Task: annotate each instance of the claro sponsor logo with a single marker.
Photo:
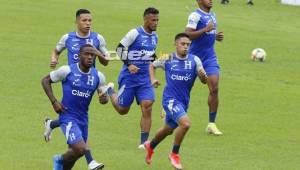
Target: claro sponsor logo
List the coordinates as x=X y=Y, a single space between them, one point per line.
x=187 y=77
x=81 y=94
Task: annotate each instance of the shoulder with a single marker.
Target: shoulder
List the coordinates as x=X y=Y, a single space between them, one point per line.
x=102 y=78
x=194 y=16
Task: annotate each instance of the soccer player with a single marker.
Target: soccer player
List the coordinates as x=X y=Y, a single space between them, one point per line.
x=181 y=71
x=72 y=42
x=79 y=82
x=201 y=28
x=137 y=50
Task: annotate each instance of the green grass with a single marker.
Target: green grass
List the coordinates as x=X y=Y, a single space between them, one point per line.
x=258 y=111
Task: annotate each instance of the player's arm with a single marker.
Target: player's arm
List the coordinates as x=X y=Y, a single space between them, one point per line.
x=104 y=58
x=122 y=50
x=55 y=76
x=103 y=97
x=193 y=20
x=61 y=45
x=200 y=70
x=160 y=63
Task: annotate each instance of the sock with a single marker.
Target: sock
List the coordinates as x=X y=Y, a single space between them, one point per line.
x=176 y=149
x=144 y=137
x=88 y=156
x=153 y=144
x=212 y=117
x=54 y=124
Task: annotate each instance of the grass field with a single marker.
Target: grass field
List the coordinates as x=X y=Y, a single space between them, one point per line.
x=259 y=102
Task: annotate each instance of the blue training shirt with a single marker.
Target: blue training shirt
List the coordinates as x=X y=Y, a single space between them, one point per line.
x=141 y=48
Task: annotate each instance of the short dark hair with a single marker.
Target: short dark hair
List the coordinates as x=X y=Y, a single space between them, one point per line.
x=151 y=10
x=180 y=35
x=82 y=11
x=84 y=46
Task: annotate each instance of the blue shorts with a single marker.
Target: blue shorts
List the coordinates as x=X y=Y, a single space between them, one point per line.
x=174 y=111
x=74 y=131
x=126 y=95
x=211 y=66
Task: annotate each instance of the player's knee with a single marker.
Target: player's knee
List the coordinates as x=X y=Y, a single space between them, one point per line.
x=214 y=90
x=123 y=111
x=80 y=151
x=186 y=125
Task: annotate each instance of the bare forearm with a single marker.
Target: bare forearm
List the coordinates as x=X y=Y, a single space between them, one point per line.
x=46 y=83
x=152 y=72
x=195 y=34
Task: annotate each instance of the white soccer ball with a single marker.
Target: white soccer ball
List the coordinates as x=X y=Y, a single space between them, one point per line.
x=258 y=54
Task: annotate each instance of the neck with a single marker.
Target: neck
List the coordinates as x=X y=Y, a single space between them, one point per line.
x=180 y=55
x=204 y=9
x=82 y=34
x=147 y=29
x=83 y=68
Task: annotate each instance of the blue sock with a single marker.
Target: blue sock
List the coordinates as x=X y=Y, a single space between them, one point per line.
x=88 y=156
x=153 y=144
x=176 y=149
x=54 y=124
x=144 y=137
x=212 y=117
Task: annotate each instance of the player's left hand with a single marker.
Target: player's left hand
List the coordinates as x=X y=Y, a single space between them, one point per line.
x=103 y=98
x=155 y=83
x=220 y=36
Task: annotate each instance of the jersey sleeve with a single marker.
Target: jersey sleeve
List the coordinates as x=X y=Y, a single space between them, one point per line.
x=160 y=63
x=61 y=45
x=198 y=64
x=193 y=20
x=102 y=46
x=60 y=74
x=129 y=38
x=102 y=79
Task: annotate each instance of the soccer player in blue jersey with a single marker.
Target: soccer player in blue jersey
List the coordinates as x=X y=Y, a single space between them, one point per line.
x=79 y=82
x=137 y=50
x=181 y=71
x=202 y=30
x=72 y=42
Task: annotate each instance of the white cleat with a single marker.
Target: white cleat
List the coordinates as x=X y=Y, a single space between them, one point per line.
x=141 y=147
x=93 y=165
x=213 y=130
x=48 y=129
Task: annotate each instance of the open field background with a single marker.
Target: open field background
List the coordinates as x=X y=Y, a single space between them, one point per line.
x=259 y=102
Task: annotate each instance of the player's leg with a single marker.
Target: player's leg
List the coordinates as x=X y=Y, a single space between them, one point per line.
x=145 y=97
x=213 y=99
x=49 y=126
x=122 y=100
x=182 y=129
x=92 y=163
x=159 y=136
x=75 y=141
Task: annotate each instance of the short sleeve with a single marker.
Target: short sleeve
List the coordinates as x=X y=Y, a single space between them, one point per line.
x=102 y=46
x=198 y=63
x=193 y=20
x=60 y=74
x=129 y=38
x=160 y=63
x=102 y=79
x=61 y=45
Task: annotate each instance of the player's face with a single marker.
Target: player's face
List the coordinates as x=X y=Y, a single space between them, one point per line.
x=84 y=23
x=87 y=57
x=205 y=3
x=182 y=46
x=151 y=21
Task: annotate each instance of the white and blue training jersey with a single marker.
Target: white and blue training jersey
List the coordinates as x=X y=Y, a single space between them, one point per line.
x=203 y=46
x=78 y=89
x=180 y=75
x=72 y=42
x=141 y=49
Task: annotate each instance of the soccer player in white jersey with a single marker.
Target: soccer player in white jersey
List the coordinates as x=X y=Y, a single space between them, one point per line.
x=72 y=42
x=181 y=70
x=79 y=82
x=202 y=29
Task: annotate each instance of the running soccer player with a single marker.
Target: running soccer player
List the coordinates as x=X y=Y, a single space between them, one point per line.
x=79 y=82
x=72 y=42
x=181 y=71
x=137 y=50
x=201 y=28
